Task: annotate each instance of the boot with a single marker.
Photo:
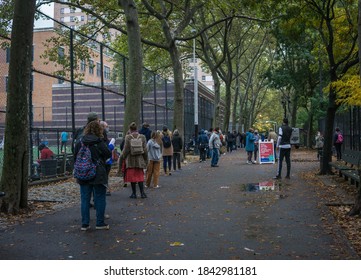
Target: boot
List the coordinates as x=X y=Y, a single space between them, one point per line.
x=141 y=188
x=134 y=191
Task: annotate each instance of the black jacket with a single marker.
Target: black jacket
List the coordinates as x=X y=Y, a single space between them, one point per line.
x=177 y=143
x=100 y=153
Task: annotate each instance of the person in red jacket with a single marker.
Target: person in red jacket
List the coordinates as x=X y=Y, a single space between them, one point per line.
x=45 y=152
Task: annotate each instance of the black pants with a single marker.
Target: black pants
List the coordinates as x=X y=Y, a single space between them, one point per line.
x=284 y=153
x=202 y=153
x=176 y=161
x=338 y=150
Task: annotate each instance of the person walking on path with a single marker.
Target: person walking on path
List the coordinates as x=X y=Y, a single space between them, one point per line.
x=284 y=145
x=319 y=143
x=337 y=142
x=177 y=149
x=203 y=145
x=167 y=151
x=250 y=145
x=215 y=144
x=230 y=141
x=93 y=138
x=135 y=163
x=154 y=157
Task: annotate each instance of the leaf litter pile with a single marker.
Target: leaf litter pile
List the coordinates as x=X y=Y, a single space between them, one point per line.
x=339 y=196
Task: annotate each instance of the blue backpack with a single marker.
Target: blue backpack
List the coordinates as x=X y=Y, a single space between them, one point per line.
x=84 y=168
x=166 y=141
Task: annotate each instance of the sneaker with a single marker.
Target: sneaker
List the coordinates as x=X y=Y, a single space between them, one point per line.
x=249 y=162
x=156 y=187
x=104 y=226
x=254 y=162
x=145 y=186
x=85 y=227
x=277 y=177
x=169 y=173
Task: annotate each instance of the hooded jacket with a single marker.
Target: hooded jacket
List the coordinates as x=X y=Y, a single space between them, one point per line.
x=100 y=153
x=177 y=142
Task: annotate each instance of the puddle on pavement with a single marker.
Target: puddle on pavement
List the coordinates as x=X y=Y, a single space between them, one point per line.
x=265 y=186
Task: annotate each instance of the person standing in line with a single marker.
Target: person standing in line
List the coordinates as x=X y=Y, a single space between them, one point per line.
x=177 y=149
x=93 y=138
x=167 y=150
x=202 y=145
x=319 y=143
x=256 y=142
x=154 y=156
x=214 y=145
x=337 y=142
x=64 y=140
x=272 y=135
x=145 y=130
x=135 y=163
x=230 y=141
x=249 y=147
x=110 y=144
x=284 y=145
x=209 y=134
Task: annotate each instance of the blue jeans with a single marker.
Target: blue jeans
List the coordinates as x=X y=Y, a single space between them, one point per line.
x=99 y=203
x=215 y=157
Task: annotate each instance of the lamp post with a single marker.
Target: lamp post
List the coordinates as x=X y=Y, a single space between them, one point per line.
x=195 y=81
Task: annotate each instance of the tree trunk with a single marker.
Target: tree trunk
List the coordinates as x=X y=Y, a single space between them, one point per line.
x=227 y=112
x=14 y=180
x=328 y=143
x=135 y=68
x=178 y=118
x=217 y=100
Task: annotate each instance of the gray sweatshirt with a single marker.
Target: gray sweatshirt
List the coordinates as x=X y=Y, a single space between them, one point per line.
x=154 y=152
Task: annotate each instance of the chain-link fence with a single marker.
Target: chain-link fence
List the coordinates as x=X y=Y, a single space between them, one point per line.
x=73 y=74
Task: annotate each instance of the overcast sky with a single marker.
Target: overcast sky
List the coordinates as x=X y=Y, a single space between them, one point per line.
x=48 y=10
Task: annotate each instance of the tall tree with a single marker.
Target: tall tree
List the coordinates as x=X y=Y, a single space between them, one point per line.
x=335 y=22
x=14 y=180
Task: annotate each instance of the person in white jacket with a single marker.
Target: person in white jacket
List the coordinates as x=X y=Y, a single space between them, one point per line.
x=154 y=157
x=215 y=144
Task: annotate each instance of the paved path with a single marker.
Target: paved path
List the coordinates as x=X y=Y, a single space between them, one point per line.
x=204 y=210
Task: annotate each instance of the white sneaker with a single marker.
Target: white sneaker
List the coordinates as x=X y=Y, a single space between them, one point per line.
x=254 y=162
x=156 y=187
x=145 y=186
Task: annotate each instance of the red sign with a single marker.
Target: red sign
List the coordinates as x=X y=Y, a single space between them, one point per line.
x=266 y=152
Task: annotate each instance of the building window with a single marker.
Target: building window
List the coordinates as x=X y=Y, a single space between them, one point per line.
x=99 y=70
x=72 y=10
x=61 y=19
x=203 y=78
x=91 y=67
x=62 y=10
x=60 y=81
x=82 y=18
x=107 y=72
x=60 y=54
x=82 y=66
x=72 y=19
x=7 y=55
x=7 y=84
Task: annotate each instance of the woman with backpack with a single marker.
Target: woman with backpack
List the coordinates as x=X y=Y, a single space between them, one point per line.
x=136 y=160
x=337 y=142
x=93 y=149
x=167 y=151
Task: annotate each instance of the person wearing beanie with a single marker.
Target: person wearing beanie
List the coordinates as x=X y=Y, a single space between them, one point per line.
x=145 y=130
x=284 y=145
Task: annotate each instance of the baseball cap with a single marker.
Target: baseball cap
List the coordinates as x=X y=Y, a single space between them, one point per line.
x=92 y=117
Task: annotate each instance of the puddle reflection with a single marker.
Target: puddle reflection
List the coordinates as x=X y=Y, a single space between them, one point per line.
x=260 y=186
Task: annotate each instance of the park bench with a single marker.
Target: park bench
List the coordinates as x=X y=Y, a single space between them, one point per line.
x=353 y=174
x=64 y=163
x=350 y=160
